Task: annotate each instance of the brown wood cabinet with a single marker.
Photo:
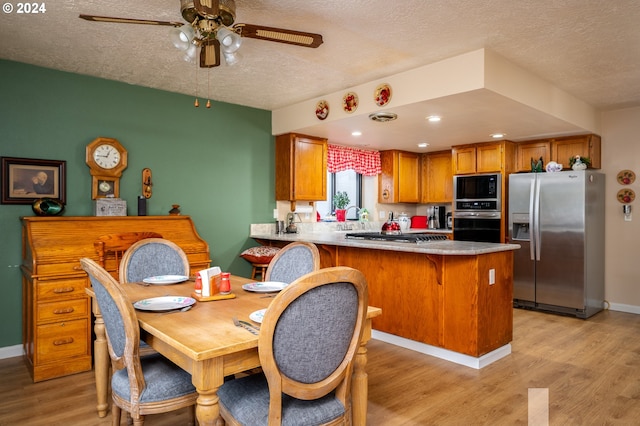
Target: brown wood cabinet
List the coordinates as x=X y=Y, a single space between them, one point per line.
x=301 y=168
x=559 y=150
x=440 y=300
x=484 y=157
x=437 y=178
x=56 y=314
x=399 y=181
x=526 y=151
x=562 y=149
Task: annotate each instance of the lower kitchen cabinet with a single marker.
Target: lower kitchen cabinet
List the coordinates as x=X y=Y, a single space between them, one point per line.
x=441 y=300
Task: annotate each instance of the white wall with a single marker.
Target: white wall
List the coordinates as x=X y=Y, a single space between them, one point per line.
x=621 y=150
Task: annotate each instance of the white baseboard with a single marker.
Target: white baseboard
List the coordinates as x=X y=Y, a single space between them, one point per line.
x=11 y=351
x=445 y=354
x=631 y=309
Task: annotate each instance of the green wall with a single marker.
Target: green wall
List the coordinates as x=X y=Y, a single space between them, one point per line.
x=217 y=163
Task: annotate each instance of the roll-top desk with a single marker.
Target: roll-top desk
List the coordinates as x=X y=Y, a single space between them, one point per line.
x=56 y=313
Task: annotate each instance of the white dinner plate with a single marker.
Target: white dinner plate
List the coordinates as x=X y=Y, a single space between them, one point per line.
x=265 y=286
x=164 y=303
x=165 y=279
x=257 y=316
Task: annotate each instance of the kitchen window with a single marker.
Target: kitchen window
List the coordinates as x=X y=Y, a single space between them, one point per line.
x=348 y=181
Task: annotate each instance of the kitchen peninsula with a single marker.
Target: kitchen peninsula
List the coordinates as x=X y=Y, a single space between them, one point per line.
x=449 y=299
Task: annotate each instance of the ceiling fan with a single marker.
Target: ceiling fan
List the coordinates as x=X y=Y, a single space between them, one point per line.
x=211 y=27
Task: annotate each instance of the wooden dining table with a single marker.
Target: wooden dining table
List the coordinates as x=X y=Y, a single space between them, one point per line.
x=205 y=342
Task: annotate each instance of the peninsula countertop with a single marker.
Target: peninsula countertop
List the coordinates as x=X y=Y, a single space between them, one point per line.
x=337 y=238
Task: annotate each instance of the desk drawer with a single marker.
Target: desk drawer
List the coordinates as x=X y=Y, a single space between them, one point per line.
x=61 y=289
x=62 y=340
x=63 y=310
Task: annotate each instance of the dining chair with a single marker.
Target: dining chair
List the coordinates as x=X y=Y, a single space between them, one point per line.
x=117 y=244
x=308 y=339
x=139 y=385
x=293 y=261
x=151 y=257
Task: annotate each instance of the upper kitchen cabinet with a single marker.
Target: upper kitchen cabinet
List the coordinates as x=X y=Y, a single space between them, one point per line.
x=559 y=150
x=562 y=149
x=399 y=181
x=526 y=151
x=437 y=178
x=301 y=168
x=483 y=158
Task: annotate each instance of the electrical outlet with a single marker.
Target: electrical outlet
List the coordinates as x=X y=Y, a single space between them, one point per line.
x=275 y=213
x=381 y=214
x=492 y=276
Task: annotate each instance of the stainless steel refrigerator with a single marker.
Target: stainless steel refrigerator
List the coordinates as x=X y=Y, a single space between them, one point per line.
x=558 y=219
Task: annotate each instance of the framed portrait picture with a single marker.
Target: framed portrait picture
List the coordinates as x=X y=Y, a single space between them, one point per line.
x=25 y=179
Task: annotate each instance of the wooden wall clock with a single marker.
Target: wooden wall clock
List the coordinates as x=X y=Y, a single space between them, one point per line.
x=106 y=159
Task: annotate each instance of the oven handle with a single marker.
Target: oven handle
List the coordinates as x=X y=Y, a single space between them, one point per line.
x=476 y=215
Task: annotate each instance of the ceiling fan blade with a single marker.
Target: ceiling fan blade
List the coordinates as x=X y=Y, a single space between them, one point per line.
x=209 y=53
x=298 y=38
x=207 y=8
x=129 y=20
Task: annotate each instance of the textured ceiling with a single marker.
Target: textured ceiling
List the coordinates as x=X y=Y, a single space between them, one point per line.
x=587 y=48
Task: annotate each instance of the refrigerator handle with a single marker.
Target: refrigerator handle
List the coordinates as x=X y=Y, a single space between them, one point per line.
x=536 y=230
x=531 y=223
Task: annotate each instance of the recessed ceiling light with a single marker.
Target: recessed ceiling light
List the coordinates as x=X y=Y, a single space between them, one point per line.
x=498 y=135
x=423 y=145
x=356 y=133
x=434 y=118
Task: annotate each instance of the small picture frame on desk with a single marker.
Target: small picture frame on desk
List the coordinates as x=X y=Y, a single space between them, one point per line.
x=110 y=207
x=24 y=180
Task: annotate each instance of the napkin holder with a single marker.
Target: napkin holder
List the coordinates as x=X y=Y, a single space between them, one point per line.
x=210 y=286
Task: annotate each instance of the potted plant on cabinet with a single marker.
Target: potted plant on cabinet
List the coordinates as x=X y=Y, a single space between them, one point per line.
x=340 y=202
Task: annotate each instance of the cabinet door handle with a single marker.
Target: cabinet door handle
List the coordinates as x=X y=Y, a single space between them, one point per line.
x=63 y=290
x=63 y=311
x=63 y=341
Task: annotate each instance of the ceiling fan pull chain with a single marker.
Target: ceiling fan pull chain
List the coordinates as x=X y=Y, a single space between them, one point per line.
x=196 y=103
x=208 y=89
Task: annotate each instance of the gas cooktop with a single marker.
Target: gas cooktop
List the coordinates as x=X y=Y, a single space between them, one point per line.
x=418 y=238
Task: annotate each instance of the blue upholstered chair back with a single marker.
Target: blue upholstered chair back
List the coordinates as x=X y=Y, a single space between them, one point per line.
x=151 y=257
x=113 y=319
x=292 y=262
x=313 y=333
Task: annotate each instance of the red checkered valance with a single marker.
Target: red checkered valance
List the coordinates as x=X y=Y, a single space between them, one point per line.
x=363 y=161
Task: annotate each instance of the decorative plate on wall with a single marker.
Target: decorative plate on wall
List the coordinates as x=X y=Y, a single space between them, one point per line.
x=626 y=177
x=350 y=102
x=626 y=196
x=322 y=109
x=382 y=95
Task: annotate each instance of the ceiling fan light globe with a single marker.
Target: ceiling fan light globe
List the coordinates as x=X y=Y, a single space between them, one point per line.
x=190 y=54
x=182 y=37
x=230 y=42
x=231 y=58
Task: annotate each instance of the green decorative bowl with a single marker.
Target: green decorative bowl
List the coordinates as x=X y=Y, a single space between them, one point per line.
x=47 y=206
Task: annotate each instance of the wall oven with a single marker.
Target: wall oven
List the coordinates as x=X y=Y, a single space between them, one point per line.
x=477 y=207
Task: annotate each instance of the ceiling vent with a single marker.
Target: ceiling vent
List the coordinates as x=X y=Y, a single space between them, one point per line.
x=383 y=117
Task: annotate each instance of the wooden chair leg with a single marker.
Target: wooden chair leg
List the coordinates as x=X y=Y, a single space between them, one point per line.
x=115 y=414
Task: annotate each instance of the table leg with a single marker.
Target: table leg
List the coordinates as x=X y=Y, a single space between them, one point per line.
x=101 y=360
x=207 y=377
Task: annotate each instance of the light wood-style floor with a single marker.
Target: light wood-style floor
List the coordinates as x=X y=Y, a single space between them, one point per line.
x=591 y=368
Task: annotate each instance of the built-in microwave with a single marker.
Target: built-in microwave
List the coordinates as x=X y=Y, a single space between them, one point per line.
x=477 y=207
x=477 y=192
